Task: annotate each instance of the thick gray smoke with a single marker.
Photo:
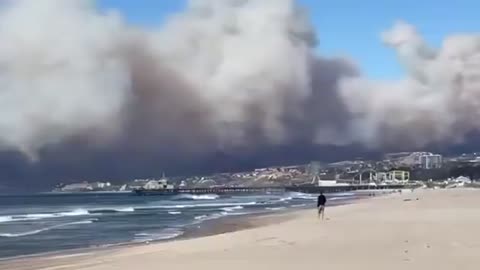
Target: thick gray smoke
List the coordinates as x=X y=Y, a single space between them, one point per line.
x=226 y=75
x=222 y=74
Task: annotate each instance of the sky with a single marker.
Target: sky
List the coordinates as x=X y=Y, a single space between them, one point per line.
x=349 y=28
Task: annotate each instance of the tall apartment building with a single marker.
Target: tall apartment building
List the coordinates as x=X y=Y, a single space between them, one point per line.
x=431 y=161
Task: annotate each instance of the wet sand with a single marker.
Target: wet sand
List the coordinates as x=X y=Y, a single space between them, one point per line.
x=421 y=230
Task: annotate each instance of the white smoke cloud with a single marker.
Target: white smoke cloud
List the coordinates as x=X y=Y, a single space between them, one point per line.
x=60 y=72
x=219 y=74
x=437 y=101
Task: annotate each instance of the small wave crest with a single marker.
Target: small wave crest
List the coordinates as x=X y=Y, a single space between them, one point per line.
x=197 y=197
x=197 y=205
x=29 y=217
x=304 y=196
x=201 y=218
x=174 y=212
x=82 y=222
x=73 y=213
x=165 y=234
x=111 y=210
x=344 y=194
x=231 y=209
x=275 y=208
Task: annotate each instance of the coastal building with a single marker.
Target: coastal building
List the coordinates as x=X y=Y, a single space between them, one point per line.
x=100 y=185
x=431 y=161
x=392 y=176
x=158 y=184
x=398 y=175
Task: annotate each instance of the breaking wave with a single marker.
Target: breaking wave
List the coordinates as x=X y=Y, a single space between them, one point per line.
x=74 y=213
x=197 y=197
x=112 y=210
x=30 y=217
x=275 y=208
x=231 y=209
x=11 y=235
x=199 y=205
x=164 y=234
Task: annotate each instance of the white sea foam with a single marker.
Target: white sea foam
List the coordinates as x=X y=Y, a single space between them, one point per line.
x=344 y=194
x=73 y=213
x=126 y=209
x=82 y=222
x=275 y=208
x=201 y=217
x=231 y=209
x=305 y=196
x=238 y=213
x=174 y=212
x=197 y=205
x=197 y=197
x=164 y=234
x=4 y=219
x=299 y=205
x=205 y=197
x=29 y=217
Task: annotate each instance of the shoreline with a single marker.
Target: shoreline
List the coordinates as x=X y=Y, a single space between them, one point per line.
x=207 y=228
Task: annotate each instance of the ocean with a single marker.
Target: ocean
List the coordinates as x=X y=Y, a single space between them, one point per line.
x=44 y=223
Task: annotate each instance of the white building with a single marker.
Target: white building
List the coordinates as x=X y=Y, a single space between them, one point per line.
x=158 y=184
x=431 y=161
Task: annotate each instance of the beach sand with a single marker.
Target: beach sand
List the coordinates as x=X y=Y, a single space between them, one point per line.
x=439 y=230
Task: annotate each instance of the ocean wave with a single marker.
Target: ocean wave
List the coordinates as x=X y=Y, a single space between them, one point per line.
x=231 y=209
x=73 y=213
x=196 y=197
x=111 y=210
x=300 y=195
x=174 y=212
x=82 y=222
x=165 y=234
x=201 y=217
x=4 y=219
x=344 y=194
x=29 y=217
x=299 y=205
x=198 y=205
x=275 y=208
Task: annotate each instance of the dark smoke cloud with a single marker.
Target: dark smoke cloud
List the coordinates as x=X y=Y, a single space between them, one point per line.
x=223 y=85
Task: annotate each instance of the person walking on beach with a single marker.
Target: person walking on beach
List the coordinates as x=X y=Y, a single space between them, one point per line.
x=322 y=200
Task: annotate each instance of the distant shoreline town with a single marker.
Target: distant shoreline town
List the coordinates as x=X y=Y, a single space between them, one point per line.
x=395 y=168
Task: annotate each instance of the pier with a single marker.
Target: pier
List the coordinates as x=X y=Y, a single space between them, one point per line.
x=277 y=189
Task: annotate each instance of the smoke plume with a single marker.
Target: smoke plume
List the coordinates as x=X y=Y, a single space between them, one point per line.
x=230 y=75
x=436 y=103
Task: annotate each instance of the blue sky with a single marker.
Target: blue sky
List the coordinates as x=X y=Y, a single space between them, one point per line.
x=348 y=27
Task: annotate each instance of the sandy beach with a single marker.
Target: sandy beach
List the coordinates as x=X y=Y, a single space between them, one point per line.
x=426 y=229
